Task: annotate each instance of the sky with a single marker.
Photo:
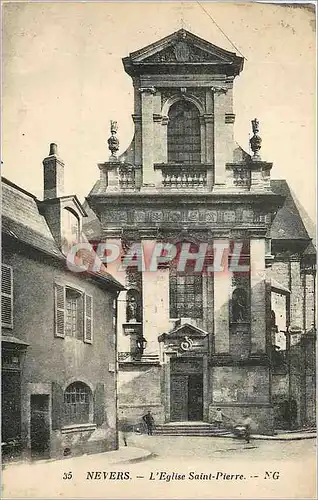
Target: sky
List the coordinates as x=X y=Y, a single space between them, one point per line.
x=63 y=81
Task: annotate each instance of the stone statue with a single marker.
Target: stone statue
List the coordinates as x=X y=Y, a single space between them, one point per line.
x=239 y=306
x=133 y=308
x=113 y=142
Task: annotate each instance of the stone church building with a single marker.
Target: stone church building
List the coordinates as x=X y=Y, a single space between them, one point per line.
x=190 y=342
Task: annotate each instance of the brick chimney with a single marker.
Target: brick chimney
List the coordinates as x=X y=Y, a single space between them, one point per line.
x=53 y=170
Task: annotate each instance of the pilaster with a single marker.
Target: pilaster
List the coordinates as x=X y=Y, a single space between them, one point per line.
x=221 y=295
x=220 y=135
x=296 y=314
x=258 y=295
x=155 y=296
x=147 y=107
x=137 y=139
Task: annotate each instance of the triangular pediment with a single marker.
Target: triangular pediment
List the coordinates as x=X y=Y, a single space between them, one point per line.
x=184 y=331
x=181 y=51
x=182 y=48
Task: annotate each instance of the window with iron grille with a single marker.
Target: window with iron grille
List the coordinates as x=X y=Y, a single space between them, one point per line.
x=185 y=295
x=77 y=400
x=184 y=140
x=6 y=296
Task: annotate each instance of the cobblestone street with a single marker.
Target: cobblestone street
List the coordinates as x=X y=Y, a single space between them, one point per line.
x=178 y=467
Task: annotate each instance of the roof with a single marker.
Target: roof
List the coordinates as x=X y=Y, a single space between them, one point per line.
x=91 y=225
x=14 y=340
x=278 y=287
x=288 y=223
x=22 y=221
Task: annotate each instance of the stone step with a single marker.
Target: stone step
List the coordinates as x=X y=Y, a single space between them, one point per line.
x=190 y=430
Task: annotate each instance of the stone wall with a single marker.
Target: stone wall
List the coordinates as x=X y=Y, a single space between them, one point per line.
x=50 y=359
x=139 y=390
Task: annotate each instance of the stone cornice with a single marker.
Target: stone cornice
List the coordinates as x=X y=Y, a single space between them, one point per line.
x=229 y=118
x=147 y=90
x=265 y=199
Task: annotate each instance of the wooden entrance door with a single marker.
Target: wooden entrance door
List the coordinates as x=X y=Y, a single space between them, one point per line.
x=40 y=425
x=195 y=397
x=11 y=408
x=178 y=398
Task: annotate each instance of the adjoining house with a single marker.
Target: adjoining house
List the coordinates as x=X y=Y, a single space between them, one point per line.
x=193 y=342
x=59 y=388
x=293 y=305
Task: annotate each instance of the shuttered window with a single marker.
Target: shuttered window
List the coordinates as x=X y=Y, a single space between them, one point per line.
x=88 y=321
x=99 y=404
x=73 y=313
x=59 y=310
x=7 y=296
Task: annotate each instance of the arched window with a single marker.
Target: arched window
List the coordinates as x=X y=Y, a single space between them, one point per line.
x=184 y=141
x=77 y=401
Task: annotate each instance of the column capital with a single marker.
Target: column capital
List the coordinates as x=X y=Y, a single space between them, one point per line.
x=157 y=118
x=207 y=118
x=229 y=118
x=147 y=90
x=219 y=89
x=136 y=118
x=164 y=120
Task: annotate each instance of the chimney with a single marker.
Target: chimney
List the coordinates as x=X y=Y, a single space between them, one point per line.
x=53 y=170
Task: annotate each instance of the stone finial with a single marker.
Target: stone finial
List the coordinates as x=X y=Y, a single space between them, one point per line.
x=113 y=142
x=255 y=141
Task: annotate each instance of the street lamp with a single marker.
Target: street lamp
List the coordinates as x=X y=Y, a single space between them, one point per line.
x=141 y=344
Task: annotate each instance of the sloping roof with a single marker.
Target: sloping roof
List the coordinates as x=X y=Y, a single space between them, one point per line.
x=288 y=223
x=91 y=225
x=21 y=219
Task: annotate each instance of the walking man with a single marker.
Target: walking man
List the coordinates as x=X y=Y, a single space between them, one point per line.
x=149 y=421
x=247 y=422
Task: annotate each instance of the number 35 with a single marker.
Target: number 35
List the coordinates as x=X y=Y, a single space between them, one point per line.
x=67 y=475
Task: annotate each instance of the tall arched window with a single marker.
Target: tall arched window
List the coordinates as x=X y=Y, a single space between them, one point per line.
x=184 y=141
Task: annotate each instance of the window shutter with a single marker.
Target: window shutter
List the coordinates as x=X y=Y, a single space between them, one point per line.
x=59 y=310
x=7 y=296
x=57 y=406
x=99 y=404
x=88 y=318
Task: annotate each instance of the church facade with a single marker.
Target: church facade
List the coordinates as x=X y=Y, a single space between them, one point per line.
x=195 y=337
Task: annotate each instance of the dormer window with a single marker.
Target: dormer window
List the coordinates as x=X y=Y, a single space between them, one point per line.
x=70 y=227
